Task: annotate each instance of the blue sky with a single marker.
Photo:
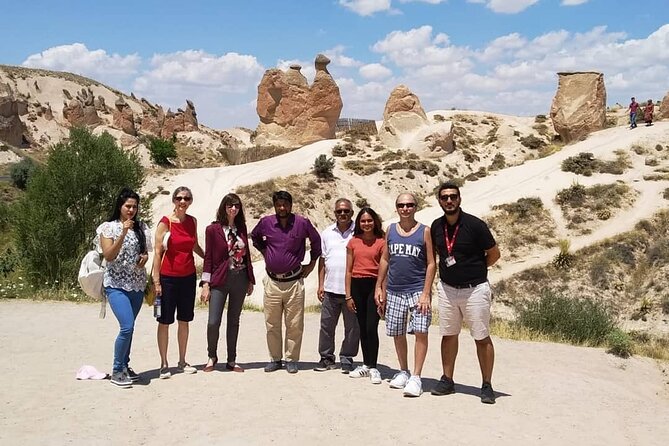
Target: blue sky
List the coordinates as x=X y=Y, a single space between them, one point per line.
x=494 y=55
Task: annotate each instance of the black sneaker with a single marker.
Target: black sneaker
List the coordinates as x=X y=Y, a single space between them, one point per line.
x=445 y=386
x=324 y=365
x=346 y=367
x=134 y=377
x=291 y=367
x=273 y=366
x=120 y=379
x=487 y=394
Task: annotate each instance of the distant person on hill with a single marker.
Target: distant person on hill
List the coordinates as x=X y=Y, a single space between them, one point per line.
x=634 y=106
x=363 y=255
x=124 y=242
x=648 y=112
x=406 y=273
x=332 y=291
x=281 y=239
x=227 y=272
x=174 y=277
x=466 y=250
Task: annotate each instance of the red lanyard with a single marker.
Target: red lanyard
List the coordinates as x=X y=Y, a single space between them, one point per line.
x=450 y=242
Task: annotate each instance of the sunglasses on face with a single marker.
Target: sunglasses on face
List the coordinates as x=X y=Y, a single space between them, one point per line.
x=233 y=205
x=180 y=198
x=405 y=205
x=342 y=211
x=446 y=197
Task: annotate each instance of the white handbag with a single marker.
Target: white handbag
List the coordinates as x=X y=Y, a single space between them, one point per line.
x=91 y=276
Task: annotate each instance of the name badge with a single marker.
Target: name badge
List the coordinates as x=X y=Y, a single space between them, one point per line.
x=450 y=261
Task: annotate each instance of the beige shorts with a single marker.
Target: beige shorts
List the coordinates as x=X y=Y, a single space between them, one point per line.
x=470 y=304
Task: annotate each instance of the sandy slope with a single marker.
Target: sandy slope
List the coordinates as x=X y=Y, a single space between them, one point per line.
x=548 y=393
x=542 y=178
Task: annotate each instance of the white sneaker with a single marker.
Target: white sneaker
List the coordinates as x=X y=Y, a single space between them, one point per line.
x=414 y=387
x=186 y=368
x=375 y=376
x=399 y=380
x=359 y=372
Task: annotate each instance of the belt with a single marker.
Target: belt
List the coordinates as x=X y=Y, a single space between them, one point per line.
x=287 y=276
x=461 y=286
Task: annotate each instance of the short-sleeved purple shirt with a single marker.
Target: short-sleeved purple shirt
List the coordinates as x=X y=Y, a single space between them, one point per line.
x=284 y=248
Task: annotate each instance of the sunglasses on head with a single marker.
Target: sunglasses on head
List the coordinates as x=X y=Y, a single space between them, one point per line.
x=234 y=205
x=446 y=197
x=405 y=205
x=342 y=211
x=181 y=198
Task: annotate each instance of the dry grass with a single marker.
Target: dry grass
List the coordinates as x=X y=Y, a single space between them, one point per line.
x=522 y=225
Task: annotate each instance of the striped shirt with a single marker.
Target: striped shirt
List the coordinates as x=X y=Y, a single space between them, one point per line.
x=333 y=245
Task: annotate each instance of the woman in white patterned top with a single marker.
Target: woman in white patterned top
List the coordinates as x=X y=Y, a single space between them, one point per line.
x=124 y=243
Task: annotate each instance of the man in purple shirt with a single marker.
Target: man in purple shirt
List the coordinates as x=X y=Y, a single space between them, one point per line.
x=281 y=240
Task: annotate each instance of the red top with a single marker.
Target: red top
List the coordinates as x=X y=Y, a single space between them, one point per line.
x=366 y=257
x=178 y=260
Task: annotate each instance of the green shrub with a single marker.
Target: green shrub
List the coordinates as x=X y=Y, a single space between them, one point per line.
x=339 y=151
x=498 y=162
x=619 y=343
x=532 y=142
x=540 y=118
x=323 y=166
x=9 y=260
x=582 y=164
x=574 y=196
x=574 y=320
x=361 y=203
x=564 y=259
x=523 y=207
x=162 y=150
x=65 y=201
x=664 y=305
x=20 y=173
x=665 y=194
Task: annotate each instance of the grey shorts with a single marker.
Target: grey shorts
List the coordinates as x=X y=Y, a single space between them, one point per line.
x=401 y=306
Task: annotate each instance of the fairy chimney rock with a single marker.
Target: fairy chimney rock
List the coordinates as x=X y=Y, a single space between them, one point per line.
x=293 y=113
x=11 y=127
x=579 y=105
x=403 y=115
x=664 y=107
x=123 y=118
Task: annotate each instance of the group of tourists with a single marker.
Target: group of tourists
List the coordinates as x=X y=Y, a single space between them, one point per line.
x=364 y=274
x=648 y=110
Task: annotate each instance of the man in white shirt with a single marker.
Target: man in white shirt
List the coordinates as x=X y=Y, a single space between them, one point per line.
x=331 y=292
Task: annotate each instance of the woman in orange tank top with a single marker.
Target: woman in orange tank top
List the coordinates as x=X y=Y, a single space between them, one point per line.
x=363 y=254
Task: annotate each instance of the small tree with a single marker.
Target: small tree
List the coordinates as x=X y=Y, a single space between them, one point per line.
x=66 y=199
x=323 y=167
x=162 y=150
x=21 y=172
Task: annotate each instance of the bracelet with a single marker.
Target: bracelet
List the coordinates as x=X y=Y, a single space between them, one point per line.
x=348 y=298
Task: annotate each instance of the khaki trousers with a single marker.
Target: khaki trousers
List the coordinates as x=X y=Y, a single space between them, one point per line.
x=287 y=299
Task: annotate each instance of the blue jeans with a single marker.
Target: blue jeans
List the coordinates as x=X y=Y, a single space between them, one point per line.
x=126 y=306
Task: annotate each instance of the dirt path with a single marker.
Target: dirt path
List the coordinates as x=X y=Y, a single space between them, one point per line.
x=548 y=393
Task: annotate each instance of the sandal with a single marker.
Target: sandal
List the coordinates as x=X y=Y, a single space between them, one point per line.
x=234 y=367
x=210 y=368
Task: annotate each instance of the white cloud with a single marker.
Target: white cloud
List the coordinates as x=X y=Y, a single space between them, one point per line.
x=78 y=59
x=338 y=58
x=219 y=86
x=573 y=2
x=375 y=71
x=366 y=7
x=432 y=2
x=506 y=6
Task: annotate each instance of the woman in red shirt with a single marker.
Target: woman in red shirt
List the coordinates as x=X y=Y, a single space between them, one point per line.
x=174 y=276
x=363 y=254
x=227 y=271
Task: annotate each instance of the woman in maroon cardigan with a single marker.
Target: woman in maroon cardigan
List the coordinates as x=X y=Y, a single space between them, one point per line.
x=227 y=272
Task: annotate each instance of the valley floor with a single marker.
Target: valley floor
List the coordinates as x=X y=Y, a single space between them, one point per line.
x=547 y=393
